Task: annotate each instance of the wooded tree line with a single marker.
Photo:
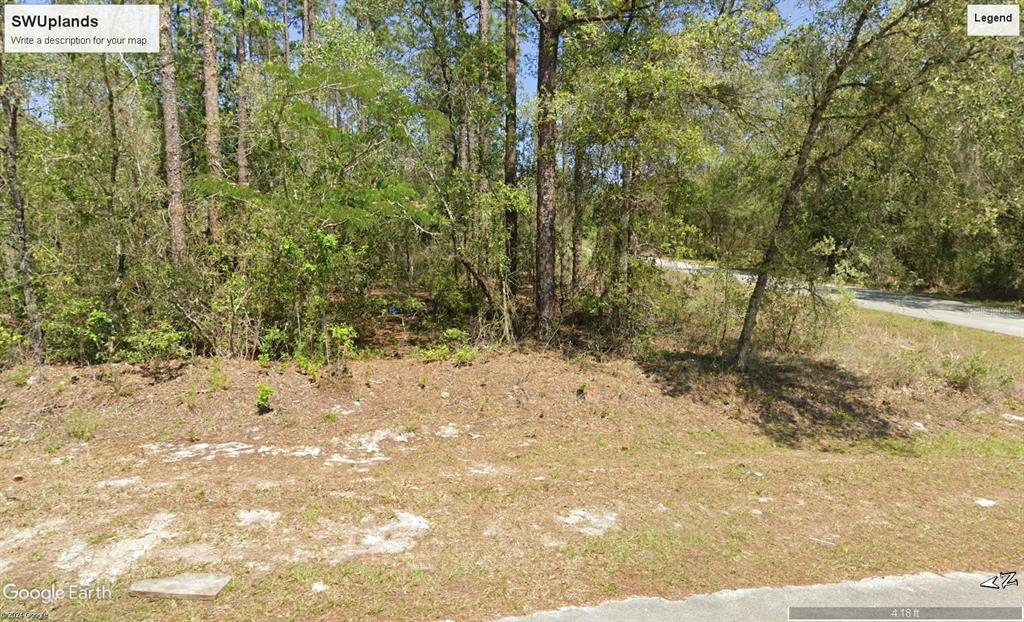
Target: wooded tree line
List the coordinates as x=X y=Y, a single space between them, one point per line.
x=281 y=173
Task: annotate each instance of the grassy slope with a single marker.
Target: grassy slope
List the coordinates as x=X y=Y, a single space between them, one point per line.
x=809 y=471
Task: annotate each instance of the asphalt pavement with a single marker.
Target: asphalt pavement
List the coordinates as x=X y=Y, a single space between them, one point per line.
x=992 y=319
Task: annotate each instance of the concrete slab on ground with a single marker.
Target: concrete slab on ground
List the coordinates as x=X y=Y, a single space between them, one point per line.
x=188 y=586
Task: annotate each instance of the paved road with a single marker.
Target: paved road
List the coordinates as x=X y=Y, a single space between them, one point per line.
x=1004 y=321
x=772 y=604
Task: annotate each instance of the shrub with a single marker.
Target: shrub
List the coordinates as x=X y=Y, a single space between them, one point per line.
x=273 y=344
x=465 y=356
x=707 y=310
x=218 y=379
x=80 y=426
x=157 y=343
x=449 y=298
x=263 y=393
x=343 y=339
x=439 y=352
x=455 y=346
x=78 y=331
x=456 y=335
x=10 y=343
x=623 y=316
x=973 y=374
x=795 y=319
x=711 y=309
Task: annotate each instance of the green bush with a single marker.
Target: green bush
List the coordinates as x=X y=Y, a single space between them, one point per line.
x=157 y=343
x=78 y=330
x=465 y=356
x=343 y=339
x=448 y=297
x=10 y=343
x=273 y=344
x=973 y=374
x=263 y=393
x=456 y=335
x=623 y=316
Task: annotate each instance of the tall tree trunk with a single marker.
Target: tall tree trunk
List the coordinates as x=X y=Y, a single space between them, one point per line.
x=511 y=71
x=211 y=95
x=193 y=31
x=172 y=139
x=243 y=105
x=115 y=160
x=745 y=347
x=115 y=148
x=577 y=217
x=547 y=72
x=483 y=25
x=287 y=35
x=26 y=263
x=307 y=21
x=211 y=100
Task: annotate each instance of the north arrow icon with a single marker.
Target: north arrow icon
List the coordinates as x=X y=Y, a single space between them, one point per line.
x=991 y=582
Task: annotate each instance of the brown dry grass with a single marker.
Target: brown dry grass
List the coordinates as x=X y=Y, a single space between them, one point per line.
x=806 y=471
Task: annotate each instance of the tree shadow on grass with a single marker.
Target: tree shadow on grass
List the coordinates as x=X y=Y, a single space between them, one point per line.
x=794 y=402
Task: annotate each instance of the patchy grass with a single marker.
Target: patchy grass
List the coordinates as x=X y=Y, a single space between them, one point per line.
x=523 y=481
x=81 y=426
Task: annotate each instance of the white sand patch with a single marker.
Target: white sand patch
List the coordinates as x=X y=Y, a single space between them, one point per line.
x=206 y=451
x=318 y=587
x=247 y=518
x=589 y=523
x=370 y=441
x=234 y=449
x=343 y=459
x=300 y=451
x=985 y=503
x=447 y=431
x=551 y=542
x=390 y=538
x=484 y=469
x=114 y=560
x=119 y=483
x=17 y=537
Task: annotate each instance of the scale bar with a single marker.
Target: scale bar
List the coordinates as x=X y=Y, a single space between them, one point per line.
x=918 y=614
